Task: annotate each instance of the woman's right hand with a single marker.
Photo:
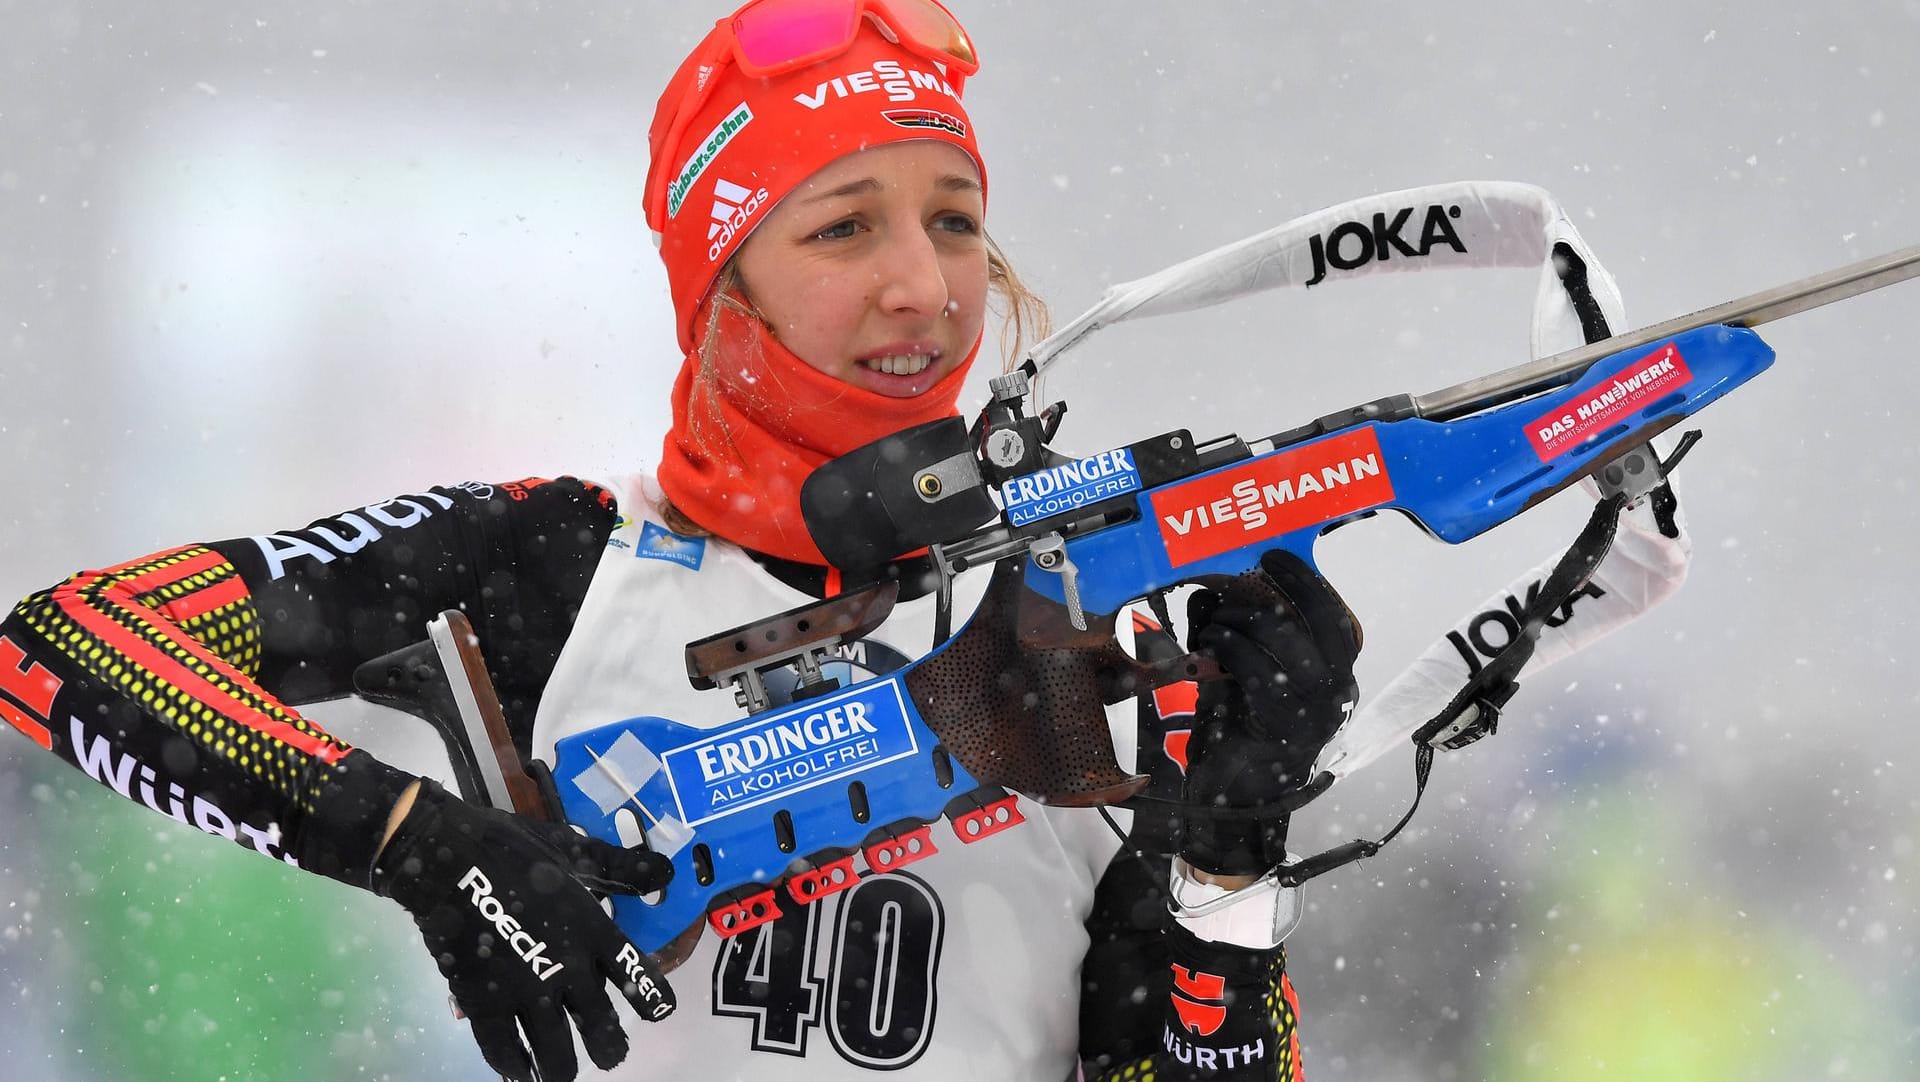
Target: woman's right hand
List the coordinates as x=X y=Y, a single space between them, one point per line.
x=506 y=905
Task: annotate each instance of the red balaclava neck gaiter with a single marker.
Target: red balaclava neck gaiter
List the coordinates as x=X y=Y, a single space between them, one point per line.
x=749 y=429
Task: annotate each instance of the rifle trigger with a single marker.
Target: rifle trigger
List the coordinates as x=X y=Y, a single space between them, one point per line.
x=1050 y=554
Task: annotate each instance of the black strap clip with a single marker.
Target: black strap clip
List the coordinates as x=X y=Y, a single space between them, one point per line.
x=1480 y=718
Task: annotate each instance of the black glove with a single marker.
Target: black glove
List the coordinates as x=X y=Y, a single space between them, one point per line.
x=506 y=906
x=1289 y=687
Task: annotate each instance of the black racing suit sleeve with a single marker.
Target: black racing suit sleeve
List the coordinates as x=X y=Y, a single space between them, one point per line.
x=174 y=679
x=1156 y=1001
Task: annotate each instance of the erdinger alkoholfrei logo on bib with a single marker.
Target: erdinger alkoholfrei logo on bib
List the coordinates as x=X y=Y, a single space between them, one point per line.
x=809 y=744
x=1057 y=489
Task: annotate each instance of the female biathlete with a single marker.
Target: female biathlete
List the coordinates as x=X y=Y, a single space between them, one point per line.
x=820 y=199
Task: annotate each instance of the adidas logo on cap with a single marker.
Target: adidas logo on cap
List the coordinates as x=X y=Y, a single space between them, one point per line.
x=733 y=207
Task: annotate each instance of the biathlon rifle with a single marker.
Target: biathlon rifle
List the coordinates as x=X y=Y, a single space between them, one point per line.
x=783 y=806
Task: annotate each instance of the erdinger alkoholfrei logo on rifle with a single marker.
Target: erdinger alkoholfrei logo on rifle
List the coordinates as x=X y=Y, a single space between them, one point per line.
x=1272 y=495
x=1652 y=377
x=1058 y=489
x=809 y=744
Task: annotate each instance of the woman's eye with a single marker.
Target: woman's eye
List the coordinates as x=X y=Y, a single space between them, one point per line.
x=956 y=223
x=838 y=230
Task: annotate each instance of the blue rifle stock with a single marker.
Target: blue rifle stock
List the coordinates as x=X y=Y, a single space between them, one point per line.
x=776 y=808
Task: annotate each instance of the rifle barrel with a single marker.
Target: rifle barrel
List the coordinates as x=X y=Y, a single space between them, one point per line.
x=1752 y=310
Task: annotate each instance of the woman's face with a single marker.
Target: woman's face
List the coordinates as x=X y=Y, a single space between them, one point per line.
x=874 y=271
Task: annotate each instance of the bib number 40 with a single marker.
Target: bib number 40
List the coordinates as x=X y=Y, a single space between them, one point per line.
x=879 y=948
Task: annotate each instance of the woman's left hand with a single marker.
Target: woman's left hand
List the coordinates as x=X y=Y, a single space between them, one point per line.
x=1288 y=688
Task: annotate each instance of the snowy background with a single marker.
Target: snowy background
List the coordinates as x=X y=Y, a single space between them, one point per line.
x=263 y=262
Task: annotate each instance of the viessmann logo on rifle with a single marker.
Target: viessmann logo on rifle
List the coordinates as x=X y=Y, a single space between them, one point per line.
x=1056 y=489
x=775 y=756
x=1271 y=495
x=1650 y=378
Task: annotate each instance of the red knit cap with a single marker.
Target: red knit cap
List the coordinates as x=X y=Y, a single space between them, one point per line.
x=755 y=140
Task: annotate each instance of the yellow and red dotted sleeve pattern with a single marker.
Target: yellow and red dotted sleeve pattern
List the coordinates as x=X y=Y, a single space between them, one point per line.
x=1283 y=1013
x=178 y=633
x=175 y=678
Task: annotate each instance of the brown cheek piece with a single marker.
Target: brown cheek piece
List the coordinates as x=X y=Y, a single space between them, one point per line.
x=1019 y=696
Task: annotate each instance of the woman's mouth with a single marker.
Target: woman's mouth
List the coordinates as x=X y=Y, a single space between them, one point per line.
x=910 y=364
x=899 y=375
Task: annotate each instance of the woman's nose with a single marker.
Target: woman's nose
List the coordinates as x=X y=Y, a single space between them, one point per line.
x=912 y=281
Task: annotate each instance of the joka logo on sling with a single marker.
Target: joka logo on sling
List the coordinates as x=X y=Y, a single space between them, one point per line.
x=1474 y=642
x=1352 y=245
x=798 y=748
x=1652 y=377
x=1272 y=495
x=710 y=148
x=733 y=207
